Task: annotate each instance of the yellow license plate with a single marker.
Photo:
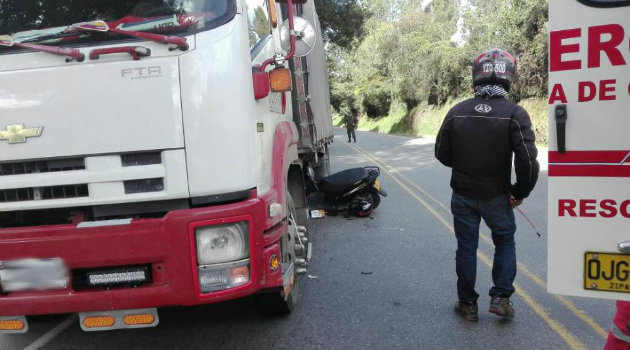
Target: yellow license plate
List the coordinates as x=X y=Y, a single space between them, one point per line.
x=377 y=184
x=607 y=272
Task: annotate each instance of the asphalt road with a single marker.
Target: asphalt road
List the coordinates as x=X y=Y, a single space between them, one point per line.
x=385 y=282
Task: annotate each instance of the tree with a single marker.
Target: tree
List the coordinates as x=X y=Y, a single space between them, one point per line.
x=519 y=26
x=341 y=21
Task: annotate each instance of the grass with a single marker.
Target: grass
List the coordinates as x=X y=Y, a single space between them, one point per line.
x=425 y=120
x=390 y=124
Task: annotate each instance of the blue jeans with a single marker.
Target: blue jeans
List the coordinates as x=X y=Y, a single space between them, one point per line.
x=499 y=216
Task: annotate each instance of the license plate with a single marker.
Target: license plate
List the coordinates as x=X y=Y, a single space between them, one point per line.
x=607 y=272
x=32 y=274
x=377 y=184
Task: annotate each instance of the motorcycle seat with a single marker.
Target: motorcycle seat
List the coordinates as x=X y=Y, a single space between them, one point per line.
x=343 y=181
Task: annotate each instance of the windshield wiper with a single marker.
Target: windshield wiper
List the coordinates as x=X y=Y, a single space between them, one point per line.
x=72 y=54
x=101 y=26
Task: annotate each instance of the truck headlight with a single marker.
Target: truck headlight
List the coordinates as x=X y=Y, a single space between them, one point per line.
x=222 y=243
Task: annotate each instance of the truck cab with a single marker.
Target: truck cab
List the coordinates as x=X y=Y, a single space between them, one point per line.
x=144 y=159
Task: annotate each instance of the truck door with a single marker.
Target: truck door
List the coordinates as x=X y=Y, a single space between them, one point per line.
x=589 y=148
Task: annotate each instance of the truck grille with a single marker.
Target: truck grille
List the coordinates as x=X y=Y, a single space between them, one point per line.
x=42 y=193
x=144 y=185
x=87 y=180
x=145 y=158
x=42 y=166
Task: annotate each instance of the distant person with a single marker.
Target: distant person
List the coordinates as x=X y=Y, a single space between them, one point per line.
x=351 y=120
x=619 y=334
x=477 y=140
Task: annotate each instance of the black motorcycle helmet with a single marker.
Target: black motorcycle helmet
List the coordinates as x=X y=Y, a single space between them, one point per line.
x=494 y=67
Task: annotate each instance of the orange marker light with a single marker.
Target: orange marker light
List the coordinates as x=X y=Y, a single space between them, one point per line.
x=98 y=321
x=280 y=79
x=132 y=320
x=274 y=263
x=11 y=325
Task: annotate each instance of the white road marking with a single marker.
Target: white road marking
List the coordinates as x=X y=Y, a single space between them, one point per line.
x=51 y=334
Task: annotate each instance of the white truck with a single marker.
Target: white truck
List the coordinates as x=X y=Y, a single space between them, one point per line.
x=589 y=150
x=151 y=156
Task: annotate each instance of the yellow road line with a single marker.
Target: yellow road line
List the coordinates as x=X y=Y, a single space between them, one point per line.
x=569 y=338
x=522 y=268
x=568 y=304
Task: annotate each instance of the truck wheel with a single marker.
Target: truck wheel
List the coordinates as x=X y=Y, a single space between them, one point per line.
x=275 y=302
x=302 y=250
x=323 y=167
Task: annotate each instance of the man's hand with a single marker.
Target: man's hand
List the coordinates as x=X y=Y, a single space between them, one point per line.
x=515 y=202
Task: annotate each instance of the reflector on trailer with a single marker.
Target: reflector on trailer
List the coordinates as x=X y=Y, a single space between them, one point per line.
x=98 y=321
x=117 y=319
x=138 y=319
x=13 y=324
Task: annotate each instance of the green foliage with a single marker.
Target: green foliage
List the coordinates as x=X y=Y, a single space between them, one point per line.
x=520 y=26
x=411 y=55
x=341 y=20
x=377 y=99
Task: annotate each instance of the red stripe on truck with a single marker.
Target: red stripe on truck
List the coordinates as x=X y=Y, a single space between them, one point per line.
x=590 y=170
x=613 y=157
x=590 y=164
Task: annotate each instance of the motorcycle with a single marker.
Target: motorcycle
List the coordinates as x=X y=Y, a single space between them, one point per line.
x=356 y=191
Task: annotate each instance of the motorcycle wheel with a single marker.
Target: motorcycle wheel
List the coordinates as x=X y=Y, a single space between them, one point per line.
x=376 y=199
x=357 y=206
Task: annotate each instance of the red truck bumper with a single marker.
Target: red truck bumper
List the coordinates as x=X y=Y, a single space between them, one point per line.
x=165 y=244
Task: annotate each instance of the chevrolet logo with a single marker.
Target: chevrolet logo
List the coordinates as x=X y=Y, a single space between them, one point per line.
x=16 y=133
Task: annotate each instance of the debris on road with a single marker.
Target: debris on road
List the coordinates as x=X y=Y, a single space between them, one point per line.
x=318 y=214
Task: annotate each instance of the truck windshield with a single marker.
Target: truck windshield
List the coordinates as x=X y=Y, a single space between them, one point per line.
x=48 y=21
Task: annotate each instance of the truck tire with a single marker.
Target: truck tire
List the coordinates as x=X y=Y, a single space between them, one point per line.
x=274 y=302
x=293 y=216
x=322 y=168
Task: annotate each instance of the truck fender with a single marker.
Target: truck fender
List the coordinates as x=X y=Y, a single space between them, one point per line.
x=284 y=154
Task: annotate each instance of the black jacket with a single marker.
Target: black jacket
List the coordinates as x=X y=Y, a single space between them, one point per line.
x=350 y=121
x=477 y=139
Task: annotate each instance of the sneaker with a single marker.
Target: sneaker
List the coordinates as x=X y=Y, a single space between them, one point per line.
x=501 y=306
x=467 y=310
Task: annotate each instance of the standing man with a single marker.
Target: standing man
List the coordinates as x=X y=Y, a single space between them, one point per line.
x=477 y=140
x=351 y=120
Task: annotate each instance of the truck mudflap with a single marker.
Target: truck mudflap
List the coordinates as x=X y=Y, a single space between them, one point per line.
x=140 y=264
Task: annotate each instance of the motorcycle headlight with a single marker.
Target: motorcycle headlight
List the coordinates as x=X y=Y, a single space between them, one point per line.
x=222 y=243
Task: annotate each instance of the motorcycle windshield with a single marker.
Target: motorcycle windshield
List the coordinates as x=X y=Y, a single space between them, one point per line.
x=48 y=21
